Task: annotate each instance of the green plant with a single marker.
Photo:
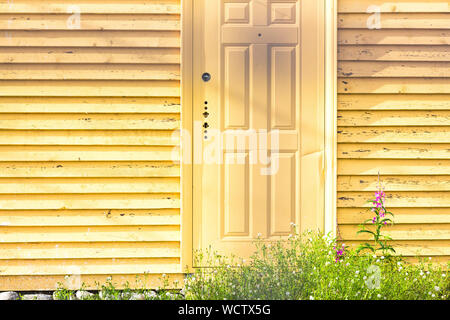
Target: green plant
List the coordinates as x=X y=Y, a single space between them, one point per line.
x=305 y=267
x=379 y=221
x=62 y=293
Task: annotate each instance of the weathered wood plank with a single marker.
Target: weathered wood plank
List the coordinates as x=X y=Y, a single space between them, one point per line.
x=91 y=185
x=90 y=55
x=109 y=217
x=393 y=53
x=409 y=215
x=66 y=21
x=89 y=72
x=393 y=134
x=396 y=199
x=393 y=102
x=394 y=85
x=401 y=232
x=394 y=37
x=393 y=167
x=165 y=121
x=407 y=248
x=395 y=6
x=87 y=105
x=394 y=151
x=74 y=281
x=395 y=21
x=72 y=88
x=387 y=69
x=89 y=234
x=89 y=38
x=90 y=266
x=394 y=118
x=89 y=201
x=101 y=169
x=89 y=6
x=102 y=250
x=90 y=138
x=89 y=153
x=393 y=183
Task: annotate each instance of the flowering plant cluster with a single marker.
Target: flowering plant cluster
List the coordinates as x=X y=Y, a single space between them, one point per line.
x=303 y=267
x=379 y=221
x=340 y=252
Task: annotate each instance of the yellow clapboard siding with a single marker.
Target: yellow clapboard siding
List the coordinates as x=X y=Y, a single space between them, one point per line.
x=394 y=37
x=393 y=134
x=420 y=6
x=89 y=153
x=394 y=118
x=72 y=88
x=90 y=55
x=89 y=234
x=89 y=266
x=394 y=85
x=90 y=282
x=86 y=186
x=396 y=20
x=396 y=199
x=93 y=137
x=393 y=102
x=354 y=69
x=167 y=121
x=411 y=215
x=414 y=248
x=393 y=53
x=394 y=151
x=393 y=167
x=65 y=21
x=401 y=232
x=80 y=250
x=70 y=169
x=89 y=38
x=108 y=217
x=89 y=105
x=90 y=118
x=393 y=183
x=89 y=72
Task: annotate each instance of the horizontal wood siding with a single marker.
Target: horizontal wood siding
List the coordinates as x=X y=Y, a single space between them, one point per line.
x=89 y=147
x=394 y=118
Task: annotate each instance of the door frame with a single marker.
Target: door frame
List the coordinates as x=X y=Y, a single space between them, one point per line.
x=330 y=126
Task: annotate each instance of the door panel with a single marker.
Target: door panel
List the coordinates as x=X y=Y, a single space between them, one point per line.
x=247 y=185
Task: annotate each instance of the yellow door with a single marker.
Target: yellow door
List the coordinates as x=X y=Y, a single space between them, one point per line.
x=258 y=121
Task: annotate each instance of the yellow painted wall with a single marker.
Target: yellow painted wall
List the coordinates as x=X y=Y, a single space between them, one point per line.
x=394 y=117
x=87 y=185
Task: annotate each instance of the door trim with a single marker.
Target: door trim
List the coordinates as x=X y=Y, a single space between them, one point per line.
x=330 y=117
x=186 y=127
